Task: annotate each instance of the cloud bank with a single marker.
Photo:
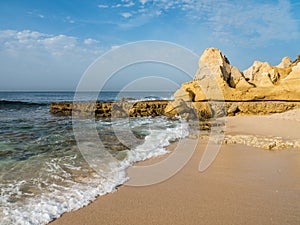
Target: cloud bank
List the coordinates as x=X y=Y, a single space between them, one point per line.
x=44 y=59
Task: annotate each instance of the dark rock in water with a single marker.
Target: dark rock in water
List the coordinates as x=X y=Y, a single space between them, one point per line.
x=118 y=147
x=5 y=153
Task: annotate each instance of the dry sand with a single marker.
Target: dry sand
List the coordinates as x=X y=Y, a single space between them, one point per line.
x=244 y=185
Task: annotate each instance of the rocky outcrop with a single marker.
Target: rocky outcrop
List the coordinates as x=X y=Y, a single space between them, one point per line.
x=259 y=107
x=219 y=88
x=109 y=109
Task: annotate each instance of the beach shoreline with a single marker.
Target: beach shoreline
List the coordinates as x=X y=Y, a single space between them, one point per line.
x=244 y=184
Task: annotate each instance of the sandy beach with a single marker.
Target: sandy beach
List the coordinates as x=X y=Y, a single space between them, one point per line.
x=148 y=112
x=244 y=185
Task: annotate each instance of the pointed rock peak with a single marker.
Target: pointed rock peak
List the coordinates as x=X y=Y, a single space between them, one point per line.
x=213 y=56
x=285 y=63
x=213 y=63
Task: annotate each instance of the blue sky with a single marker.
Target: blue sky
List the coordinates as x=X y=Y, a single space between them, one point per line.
x=47 y=45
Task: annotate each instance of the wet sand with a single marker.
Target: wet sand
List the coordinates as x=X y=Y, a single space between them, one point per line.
x=244 y=185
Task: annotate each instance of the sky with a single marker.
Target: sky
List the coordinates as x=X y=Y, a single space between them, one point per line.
x=48 y=45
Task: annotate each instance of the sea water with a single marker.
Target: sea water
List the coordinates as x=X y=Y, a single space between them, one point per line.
x=42 y=171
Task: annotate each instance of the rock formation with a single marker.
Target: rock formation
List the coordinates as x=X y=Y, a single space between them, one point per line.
x=217 y=85
x=218 y=89
x=214 y=63
x=109 y=109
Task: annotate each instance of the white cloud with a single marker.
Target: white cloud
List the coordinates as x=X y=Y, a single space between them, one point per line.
x=21 y=41
x=117 y=5
x=143 y=2
x=36 y=13
x=101 y=6
x=58 y=45
x=142 y=10
x=129 y=4
x=158 y=12
x=69 y=19
x=35 y=60
x=115 y=46
x=247 y=22
x=126 y=15
x=41 y=43
x=253 y=23
x=90 y=41
x=124 y=4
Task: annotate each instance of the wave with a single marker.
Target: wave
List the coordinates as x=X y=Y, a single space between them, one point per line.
x=146 y=98
x=57 y=198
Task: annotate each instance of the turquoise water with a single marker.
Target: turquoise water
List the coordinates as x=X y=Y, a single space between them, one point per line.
x=42 y=171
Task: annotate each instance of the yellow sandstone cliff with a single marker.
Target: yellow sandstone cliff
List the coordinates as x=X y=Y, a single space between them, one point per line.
x=217 y=85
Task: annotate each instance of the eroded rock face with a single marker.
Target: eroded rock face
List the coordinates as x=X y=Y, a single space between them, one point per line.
x=261 y=89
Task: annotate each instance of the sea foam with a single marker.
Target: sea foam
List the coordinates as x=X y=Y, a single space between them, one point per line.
x=63 y=194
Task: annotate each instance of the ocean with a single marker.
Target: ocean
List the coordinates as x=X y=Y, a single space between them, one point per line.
x=42 y=171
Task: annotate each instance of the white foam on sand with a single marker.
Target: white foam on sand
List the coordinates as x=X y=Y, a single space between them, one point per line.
x=57 y=199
